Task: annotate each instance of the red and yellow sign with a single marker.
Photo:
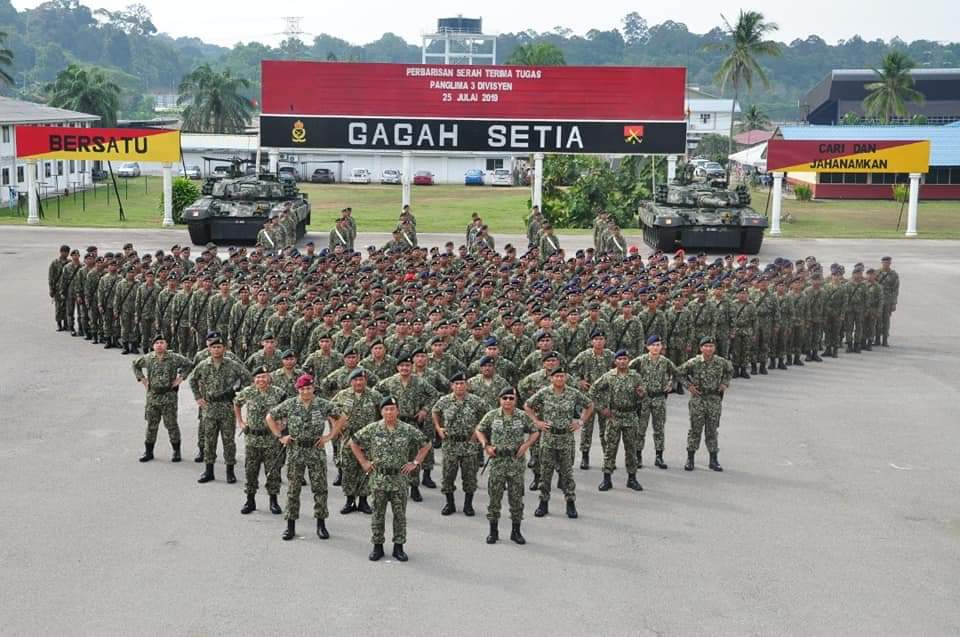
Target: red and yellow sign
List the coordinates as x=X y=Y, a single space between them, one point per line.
x=106 y=144
x=633 y=134
x=848 y=156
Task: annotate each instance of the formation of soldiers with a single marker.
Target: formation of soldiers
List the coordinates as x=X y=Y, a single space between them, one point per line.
x=497 y=360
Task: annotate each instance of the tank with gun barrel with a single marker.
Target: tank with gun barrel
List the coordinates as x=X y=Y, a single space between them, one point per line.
x=701 y=214
x=235 y=206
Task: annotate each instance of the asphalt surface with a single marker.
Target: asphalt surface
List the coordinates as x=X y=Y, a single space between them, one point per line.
x=837 y=512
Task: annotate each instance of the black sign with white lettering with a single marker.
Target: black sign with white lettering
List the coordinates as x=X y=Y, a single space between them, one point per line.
x=518 y=136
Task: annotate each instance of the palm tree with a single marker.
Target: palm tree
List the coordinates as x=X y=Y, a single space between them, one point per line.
x=754 y=119
x=78 y=89
x=746 y=41
x=213 y=102
x=6 y=60
x=889 y=96
x=537 y=54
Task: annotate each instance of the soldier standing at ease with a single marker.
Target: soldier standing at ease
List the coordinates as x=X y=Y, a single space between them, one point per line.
x=300 y=423
x=501 y=433
x=361 y=406
x=588 y=366
x=388 y=444
x=71 y=289
x=707 y=377
x=455 y=417
x=164 y=373
x=743 y=330
x=262 y=446
x=105 y=299
x=618 y=397
x=54 y=279
x=146 y=315
x=124 y=310
x=889 y=280
x=657 y=375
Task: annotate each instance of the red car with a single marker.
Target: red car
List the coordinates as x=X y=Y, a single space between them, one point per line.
x=423 y=178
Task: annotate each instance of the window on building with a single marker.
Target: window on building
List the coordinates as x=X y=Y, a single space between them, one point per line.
x=943 y=175
x=72 y=167
x=831 y=178
x=6 y=134
x=704 y=118
x=890 y=178
x=83 y=165
x=19 y=174
x=6 y=177
x=854 y=178
x=60 y=168
x=493 y=164
x=46 y=169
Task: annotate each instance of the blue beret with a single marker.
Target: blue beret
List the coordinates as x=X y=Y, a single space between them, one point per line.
x=596 y=333
x=621 y=353
x=490 y=341
x=653 y=338
x=486 y=360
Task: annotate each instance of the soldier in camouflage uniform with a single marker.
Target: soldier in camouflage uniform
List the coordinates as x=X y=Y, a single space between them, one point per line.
x=835 y=304
x=262 y=446
x=389 y=444
x=125 y=310
x=161 y=373
x=873 y=306
x=501 y=433
x=214 y=382
x=146 y=316
x=815 y=303
x=527 y=387
x=558 y=411
x=743 y=330
x=657 y=375
x=707 y=378
x=768 y=316
x=361 y=406
x=488 y=385
x=618 y=397
x=54 y=283
x=300 y=422
x=90 y=313
x=455 y=416
x=889 y=280
x=105 y=300
x=71 y=290
x=198 y=315
x=164 y=309
x=180 y=320
x=588 y=366
x=285 y=377
x=856 y=310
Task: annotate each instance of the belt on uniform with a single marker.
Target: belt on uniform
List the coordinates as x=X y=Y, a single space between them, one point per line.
x=164 y=390
x=559 y=432
x=619 y=412
x=459 y=438
x=506 y=453
x=225 y=397
x=306 y=444
x=384 y=471
x=259 y=433
x=713 y=392
x=656 y=394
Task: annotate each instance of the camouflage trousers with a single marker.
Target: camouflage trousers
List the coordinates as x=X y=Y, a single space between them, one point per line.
x=165 y=408
x=186 y=345
x=313 y=464
x=833 y=330
x=397 y=499
x=147 y=327
x=215 y=421
x=108 y=323
x=353 y=483
x=623 y=426
x=128 y=327
x=870 y=326
x=704 y=421
x=798 y=338
x=741 y=353
x=167 y=333
x=586 y=432
x=814 y=336
x=654 y=409
x=723 y=342
x=59 y=308
x=506 y=474
x=72 y=310
x=782 y=342
x=426 y=428
x=764 y=348
x=557 y=455
x=460 y=456
x=257 y=455
x=199 y=337
x=853 y=326
x=886 y=313
x=92 y=323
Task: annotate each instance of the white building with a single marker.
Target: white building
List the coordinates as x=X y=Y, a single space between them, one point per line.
x=54 y=175
x=706 y=114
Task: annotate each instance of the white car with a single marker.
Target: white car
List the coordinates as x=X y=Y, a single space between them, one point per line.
x=359 y=176
x=390 y=176
x=191 y=172
x=502 y=177
x=129 y=169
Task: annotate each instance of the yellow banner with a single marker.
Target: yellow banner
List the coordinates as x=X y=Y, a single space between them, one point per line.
x=105 y=144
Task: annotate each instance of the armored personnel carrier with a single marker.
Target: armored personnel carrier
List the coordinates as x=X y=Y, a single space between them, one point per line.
x=234 y=208
x=701 y=215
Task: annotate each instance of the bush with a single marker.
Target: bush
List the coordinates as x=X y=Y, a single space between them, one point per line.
x=185 y=192
x=803 y=193
x=901 y=193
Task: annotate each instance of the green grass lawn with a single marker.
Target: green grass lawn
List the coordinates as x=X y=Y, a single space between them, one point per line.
x=448 y=208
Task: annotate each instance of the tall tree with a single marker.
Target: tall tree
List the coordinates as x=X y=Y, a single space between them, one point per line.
x=745 y=42
x=86 y=91
x=6 y=60
x=888 y=97
x=634 y=28
x=537 y=54
x=754 y=119
x=213 y=102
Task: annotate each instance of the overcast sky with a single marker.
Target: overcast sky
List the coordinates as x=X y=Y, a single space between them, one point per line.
x=227 y=22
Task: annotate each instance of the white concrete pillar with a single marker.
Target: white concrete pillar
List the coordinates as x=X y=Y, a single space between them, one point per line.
x=274 y=161
x=538 y=179
x=912 y=206
x=777 y=198
x=405 y=177
x=671 y=168
x=167 y=195
x=258 y=160
x=33 y=217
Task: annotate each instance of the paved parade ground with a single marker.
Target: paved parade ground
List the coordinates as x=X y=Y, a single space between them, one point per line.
x=837 y=513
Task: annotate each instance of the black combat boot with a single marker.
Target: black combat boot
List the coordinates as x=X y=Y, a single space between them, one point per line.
x=427 y=480
x=363 y=507
x=809 y=357
x=753 y=368
x=207 y=474
x=849 y=348
x=833 y=352
x=199 y=456
x=744 y=373
x=856 y=348
x=322 y=532
x=763 y=369
x=108 y=343
x=231 y=476
x=884 y=342
x=399 y=554
x=176 y=457
x=415 y=494
x=274 y=505
x=450 y=507
x=468 y=505
x=816 y=356
x=868 y=346
x=679 y=390
x=73 y=332
x=639 y=458
x=60 y=326
x=147 y=452
x=291 y=530
x=515 y=534
x=339 y=480
x=689 y=465
x=250 y=506
x=713 y=462
x=585 y=460
x=797 y=361
x=535 y=485
x=376 y=553
x=773 y=363
x=781 y=364
x=96 y=339
x=133 y=348
x=350 y=506
x=494 y=533
x=126 y=349
x=606 y=484
x=632 y=482
x=542 y=509
x=572 y=509
x=659 y=461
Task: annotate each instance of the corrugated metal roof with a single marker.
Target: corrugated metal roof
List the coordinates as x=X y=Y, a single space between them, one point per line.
x=19 y=112
x=944 y=140
x=214 y=142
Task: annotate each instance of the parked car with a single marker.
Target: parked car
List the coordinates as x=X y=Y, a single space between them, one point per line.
x=390 y=176
x=99 y=174
x=190 y=172
x=359 y=176
x=502 y=177
x=710 y=170
x=129 y=169
x=473 y=177
x=323 y=176
x=423 y=178
x=289 y=171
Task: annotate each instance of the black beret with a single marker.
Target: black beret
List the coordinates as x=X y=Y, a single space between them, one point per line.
x=458 y=376
x=215 y=341
x=288 y=353
x=406 y=358
x=621 y=353
x=262 y=369
x=508 y=391
x=707 y=340
x=213 y=334
x=558 y=370
x=359 y=372
x=486 y=360
x=596 y=333
x=388 y=401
